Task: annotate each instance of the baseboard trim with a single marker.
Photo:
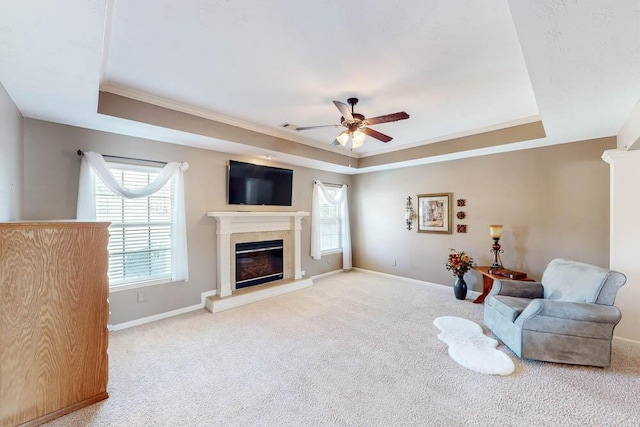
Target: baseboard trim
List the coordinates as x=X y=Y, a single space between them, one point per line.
x=626 y=340
x=155 y=317
x=204 y=295
x=472 y=294
x=394 y=276
x=329 y=273
x=165 y=315
x=216 y=305
x=64 y=411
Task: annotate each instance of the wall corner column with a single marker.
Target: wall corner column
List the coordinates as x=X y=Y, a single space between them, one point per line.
x=223 y=267
x=297 y=261
x=624 y=236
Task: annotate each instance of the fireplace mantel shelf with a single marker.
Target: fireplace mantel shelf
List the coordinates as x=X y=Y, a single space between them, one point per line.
x=255 y=222
x=246 y=214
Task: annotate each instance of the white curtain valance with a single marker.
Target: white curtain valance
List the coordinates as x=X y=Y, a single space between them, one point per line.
x=93 y=164
x=320 y=191
x=100 y=167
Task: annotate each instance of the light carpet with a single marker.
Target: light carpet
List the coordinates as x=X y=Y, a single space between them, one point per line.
x=471 y=348
x=356 y=349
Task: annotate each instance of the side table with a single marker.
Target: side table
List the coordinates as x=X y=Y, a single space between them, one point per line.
x=487 y=281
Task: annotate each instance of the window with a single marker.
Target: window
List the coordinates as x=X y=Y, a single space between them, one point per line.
x=140 y=231
x=330 y=223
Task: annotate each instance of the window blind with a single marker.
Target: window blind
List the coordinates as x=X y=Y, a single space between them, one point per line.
x=140 y=231
x=330 y=223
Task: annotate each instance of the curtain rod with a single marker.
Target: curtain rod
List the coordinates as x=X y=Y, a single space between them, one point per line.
x=80 y=153
x=331 y=184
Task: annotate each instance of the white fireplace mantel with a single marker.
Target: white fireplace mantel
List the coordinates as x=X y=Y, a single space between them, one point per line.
x=228 y=223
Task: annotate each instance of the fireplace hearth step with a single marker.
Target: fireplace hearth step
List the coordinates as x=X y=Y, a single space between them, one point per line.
x=256 y=293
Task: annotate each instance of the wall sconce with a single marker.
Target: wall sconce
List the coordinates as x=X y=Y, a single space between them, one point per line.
x=496 y=232
x=408 y=213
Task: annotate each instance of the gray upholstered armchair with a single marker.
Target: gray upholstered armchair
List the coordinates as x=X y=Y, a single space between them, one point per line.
x=568 y=317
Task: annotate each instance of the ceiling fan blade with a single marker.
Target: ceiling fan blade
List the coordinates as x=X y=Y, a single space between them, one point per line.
x=344 y=110
x=317 y=127
x=386 y=118
x=375 y=134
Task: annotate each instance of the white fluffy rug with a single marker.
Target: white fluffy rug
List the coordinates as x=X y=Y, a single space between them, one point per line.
x=471 y=348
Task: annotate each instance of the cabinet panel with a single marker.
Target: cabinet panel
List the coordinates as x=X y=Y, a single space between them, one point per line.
x=53 y=318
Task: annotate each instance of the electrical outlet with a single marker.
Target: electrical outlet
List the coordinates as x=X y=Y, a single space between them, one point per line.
x=328 y=260
x=395 y=262
x=140 y=297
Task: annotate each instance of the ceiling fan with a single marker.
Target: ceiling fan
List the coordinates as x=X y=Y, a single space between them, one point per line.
x=356 y=125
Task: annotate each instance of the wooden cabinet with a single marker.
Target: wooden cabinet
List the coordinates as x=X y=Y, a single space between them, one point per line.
x=53 y=319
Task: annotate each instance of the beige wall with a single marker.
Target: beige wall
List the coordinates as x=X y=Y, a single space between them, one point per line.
x=51 y=185
x=552 y=201
x=625 y=235
x=11 y=158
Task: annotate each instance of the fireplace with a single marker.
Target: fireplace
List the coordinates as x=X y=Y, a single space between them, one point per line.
x=233 y=228
x=258 y=262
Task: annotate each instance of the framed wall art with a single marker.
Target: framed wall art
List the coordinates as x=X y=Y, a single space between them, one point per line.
x=434 y=213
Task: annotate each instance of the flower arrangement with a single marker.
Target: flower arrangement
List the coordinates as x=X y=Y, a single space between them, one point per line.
x=459 y=262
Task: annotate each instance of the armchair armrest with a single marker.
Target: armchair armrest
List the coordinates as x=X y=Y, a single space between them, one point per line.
x=517 y=288
x=579 y=311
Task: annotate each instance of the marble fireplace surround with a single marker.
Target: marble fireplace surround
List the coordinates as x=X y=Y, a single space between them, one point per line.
x=241 y=227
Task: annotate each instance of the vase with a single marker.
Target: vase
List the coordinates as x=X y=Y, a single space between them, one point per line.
x=460 y=287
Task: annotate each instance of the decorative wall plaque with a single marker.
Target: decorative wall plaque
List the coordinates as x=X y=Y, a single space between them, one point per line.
x=462 y=228
x=462 y=202
x=461 y=215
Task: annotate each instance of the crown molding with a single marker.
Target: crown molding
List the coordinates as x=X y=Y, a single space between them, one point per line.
x=199 y=112
x=611 y=156
x=205 y=114
x=471 y=132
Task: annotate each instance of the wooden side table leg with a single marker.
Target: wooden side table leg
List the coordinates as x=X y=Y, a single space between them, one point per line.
x=487 y=283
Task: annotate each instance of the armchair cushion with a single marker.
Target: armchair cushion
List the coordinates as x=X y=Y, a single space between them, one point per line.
x=517 y=288
x=509 y=307
x=571 y=310
x=573 y=281
x=569 y=319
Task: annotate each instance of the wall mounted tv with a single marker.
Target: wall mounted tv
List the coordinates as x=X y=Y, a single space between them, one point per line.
x=251 y=184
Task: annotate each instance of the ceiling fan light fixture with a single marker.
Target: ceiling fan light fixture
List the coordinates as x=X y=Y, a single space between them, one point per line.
x=343 y=138
x=357 y=125
x=358 y=139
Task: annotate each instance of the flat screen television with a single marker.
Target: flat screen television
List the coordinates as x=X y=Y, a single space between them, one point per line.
x=251 y=184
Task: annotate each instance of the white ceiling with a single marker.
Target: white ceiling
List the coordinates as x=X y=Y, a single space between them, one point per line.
x=455 y=67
